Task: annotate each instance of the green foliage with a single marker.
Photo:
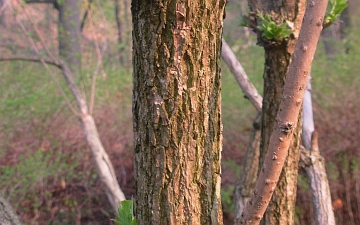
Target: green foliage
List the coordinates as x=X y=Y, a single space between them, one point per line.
x=29 y=172
x=337 y=7
x=226 y=199
x=243 y=22
x=303 y=182
x=125 y=211
x=271 y=30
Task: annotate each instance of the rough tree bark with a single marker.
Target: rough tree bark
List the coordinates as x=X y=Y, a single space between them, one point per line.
x=277 y=59
x=287 y=116
x=177 y=111
x=314 y=165
x=8 y=215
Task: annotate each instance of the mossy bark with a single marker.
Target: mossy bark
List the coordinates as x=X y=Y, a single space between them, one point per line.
x=177 y=111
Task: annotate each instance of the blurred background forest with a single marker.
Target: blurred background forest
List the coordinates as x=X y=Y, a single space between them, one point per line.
x=46 y=169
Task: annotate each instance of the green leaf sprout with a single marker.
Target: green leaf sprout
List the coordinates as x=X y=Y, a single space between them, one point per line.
x=337 y=7
x=271 y=30
x=125 y=211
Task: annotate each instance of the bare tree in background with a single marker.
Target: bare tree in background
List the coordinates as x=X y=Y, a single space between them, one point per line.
x=103 y=163
x=69 y=31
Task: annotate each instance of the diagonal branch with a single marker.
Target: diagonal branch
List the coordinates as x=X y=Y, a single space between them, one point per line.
x=103 y=163
x=44 y=64
x=241 y=77
x=288 y=113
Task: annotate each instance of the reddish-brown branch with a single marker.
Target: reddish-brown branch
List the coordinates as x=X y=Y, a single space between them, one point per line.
x=288 y=113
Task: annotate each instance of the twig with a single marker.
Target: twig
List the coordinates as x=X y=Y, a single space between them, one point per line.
x=99 y=61
x=85 y=15
x=44 y=63
x=38 y=33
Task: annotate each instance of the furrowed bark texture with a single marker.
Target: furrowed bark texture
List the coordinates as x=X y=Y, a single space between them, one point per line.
x=277 y=60
x=287 y=116
x=8 y=215
x=314 y=165
x=177 y=111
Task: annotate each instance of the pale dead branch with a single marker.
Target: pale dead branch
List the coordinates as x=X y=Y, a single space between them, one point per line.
x=314 y=165
x=105 y=168
x=241 y=77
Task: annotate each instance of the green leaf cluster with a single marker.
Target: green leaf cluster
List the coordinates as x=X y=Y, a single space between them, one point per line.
x=125 y=211
x=337 y=7
x=271 y=30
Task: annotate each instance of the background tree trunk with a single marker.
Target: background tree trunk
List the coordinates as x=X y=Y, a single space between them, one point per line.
x=245 y=185
x=277 y=60
x=314 y=165
x=123 y=22
x=69 y=31
x=121 y=27
x=69 y=34
x=177 y=111
x=3 y=13
x=286 y=118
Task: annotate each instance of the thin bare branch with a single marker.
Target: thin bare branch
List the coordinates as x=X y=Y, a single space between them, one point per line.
x=38 y=34
x=4 y=4
x=98 y=64
x=241 y=77
x=44 y=63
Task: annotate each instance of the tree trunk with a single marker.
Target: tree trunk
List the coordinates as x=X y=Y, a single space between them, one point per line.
x=245 y=186
x=177 y=111
x=277 y=60
x=3 y=12
x=69 y=33
x=121 y=27
x=8 y=215
x=123 y=22
x=314 y=165
x=103 y=163
x=69 y=30
x=285 y=127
